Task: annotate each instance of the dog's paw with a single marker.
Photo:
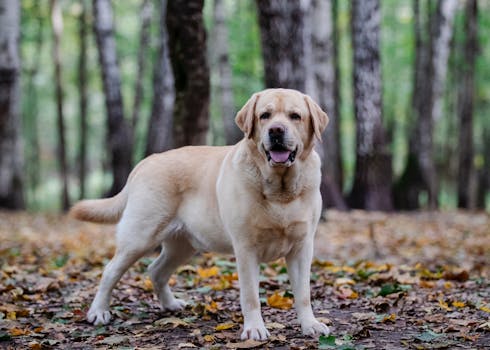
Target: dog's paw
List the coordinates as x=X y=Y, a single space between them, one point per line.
x=255 y=333
x=314 y=327
x=174 y=305
x=98 y=317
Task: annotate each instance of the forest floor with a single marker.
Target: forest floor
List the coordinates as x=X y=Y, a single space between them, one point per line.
x=397 y=281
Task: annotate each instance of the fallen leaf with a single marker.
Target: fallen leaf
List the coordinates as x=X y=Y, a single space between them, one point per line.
x=186 y=345
x=223 y=326
x=279 y=302
x=458 y=304
x=344 y=280
x=444 y=305
x=206 y=273
x=172 y=321
x=275 y=325
x=247 y=344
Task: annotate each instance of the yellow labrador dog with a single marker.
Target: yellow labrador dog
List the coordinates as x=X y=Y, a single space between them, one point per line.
x=258 y=199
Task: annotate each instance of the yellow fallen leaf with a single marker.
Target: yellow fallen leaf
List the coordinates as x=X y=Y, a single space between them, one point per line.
x=344 y=280
x=444 y=305
x=448 y=285
x=484 y=308
x=224 y=326
x=459 y=304
x=208 y=338
x=279 y=302
x=11 y=315
x=212 y=307
x=206 y=273
x=147 y=284
x=391 y=318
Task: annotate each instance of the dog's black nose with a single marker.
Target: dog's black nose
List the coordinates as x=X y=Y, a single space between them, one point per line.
x=276 y=133
x=276 y=130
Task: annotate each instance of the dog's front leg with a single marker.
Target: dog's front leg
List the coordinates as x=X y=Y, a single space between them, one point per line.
x=248 y=278
x=299 y=265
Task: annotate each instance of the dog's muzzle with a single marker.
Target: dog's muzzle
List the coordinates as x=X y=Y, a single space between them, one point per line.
x=277 y=152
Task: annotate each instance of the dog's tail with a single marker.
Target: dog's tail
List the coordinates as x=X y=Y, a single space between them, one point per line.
x=107 y=210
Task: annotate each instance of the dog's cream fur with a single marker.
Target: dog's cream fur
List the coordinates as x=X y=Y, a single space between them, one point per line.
x=230 y=199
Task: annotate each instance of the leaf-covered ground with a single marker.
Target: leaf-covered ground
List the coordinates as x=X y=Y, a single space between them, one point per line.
x=394 y=281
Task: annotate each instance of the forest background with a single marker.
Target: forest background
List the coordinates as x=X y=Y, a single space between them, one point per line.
x=66 y=128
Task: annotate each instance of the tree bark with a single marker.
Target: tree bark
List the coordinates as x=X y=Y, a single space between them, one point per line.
x=187 y=47
x=144 y=38
x=11 y=160
x=57 y=24
x=160 y=129
x=82 y=89
x=466 y=199
x=430 y=70
x=282 y=33
x=118 y=131
x=373 y=175
x=222 y=63
x=323 y=90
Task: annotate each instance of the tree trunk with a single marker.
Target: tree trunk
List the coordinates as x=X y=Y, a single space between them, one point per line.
x=82 y=88
x=373 y=175
x=30 y=118
x=160 y=128
x=430 y=70
x=222 y=63
x=466 y=199
x=323 y=90
x=118 y=132
x=11 y=160
x=145 y=16
x=57 y=23
x=282 y=33
x=187 y=47
x=483 y=173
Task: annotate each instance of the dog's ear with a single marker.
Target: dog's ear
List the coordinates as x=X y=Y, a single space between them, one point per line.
x=245 y=116
x=319 y=119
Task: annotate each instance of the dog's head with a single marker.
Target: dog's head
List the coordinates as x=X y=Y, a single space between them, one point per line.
x=283 y=124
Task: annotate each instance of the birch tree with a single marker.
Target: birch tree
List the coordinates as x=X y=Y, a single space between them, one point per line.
x=57 y=25
x=431 y=62
x=373 y=175
x=221 y=63
x=324 y=90
x=160 y=129
x=118 y=131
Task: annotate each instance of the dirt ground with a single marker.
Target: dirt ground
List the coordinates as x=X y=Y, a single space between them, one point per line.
x=385 y=281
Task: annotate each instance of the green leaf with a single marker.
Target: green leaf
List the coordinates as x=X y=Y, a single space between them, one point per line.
x=325 y=342
x=389 y=288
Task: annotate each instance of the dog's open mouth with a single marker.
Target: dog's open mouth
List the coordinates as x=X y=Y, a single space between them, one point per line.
x=279 y=154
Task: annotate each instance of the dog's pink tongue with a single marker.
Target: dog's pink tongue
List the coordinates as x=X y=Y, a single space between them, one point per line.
x=280 y=156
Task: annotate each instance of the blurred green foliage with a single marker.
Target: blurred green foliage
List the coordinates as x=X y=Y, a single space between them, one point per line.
x=397 y=54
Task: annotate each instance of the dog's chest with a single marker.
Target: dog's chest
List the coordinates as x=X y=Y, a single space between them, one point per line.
x=278 y=232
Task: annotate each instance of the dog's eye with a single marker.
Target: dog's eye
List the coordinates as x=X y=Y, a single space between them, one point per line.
x=265 y=115
x=295 y=116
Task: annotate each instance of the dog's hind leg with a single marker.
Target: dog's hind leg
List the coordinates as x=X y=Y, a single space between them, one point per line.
x=135 y=237
x=175 y=251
